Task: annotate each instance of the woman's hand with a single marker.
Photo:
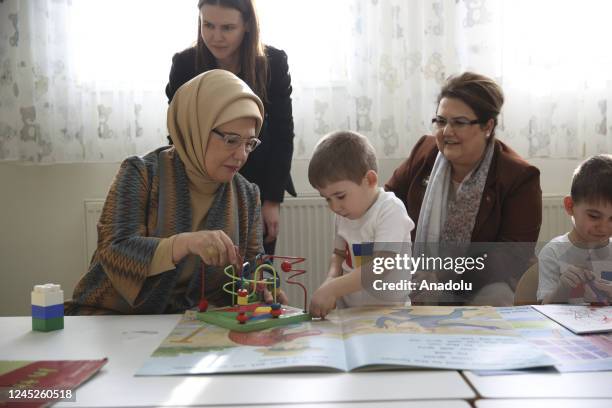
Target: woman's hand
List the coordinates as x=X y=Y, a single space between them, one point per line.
x=270 y=212
x=214 y=247
x=281 y=297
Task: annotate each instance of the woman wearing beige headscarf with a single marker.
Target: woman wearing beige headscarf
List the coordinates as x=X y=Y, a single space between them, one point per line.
x=182 y=211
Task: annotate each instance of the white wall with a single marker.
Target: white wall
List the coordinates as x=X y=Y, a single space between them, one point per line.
x=42 y=219
x=42 y=226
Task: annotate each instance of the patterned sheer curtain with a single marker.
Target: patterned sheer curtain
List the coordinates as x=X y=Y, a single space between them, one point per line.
x=386 y=61
x=83 y=80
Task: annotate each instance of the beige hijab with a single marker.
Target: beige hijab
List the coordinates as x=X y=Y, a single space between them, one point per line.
x=207 y=101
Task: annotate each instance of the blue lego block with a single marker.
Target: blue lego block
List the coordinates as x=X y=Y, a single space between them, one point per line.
x=48 y=312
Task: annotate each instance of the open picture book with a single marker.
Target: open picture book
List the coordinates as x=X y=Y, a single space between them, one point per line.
x=470 y=338
x=580 y=319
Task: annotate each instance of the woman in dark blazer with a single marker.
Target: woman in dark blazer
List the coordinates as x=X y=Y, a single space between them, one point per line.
x=228 y=38
x=463 y=186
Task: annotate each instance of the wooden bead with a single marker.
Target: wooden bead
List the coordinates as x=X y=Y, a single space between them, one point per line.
x=242 y=318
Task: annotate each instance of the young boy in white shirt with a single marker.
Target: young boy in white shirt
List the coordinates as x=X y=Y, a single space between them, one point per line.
x=370 y=222
x=566 y=263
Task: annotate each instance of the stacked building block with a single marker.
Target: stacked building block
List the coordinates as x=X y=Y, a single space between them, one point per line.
x=47 y=307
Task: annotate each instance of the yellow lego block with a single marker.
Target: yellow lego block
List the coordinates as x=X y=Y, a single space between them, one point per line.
x=261 y=310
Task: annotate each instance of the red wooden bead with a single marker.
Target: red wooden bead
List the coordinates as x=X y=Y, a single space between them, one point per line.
x=276 y=312
x=242 y=318
x=203 y=305
x=242 y=292
x=286 y=266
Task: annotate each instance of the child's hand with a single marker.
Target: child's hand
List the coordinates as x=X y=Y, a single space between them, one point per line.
x=322 y=302
x=604 y=291
x=604 y=286
x=575 y=276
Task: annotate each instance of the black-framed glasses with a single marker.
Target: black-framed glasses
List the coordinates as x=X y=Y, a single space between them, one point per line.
x=233 y=141
x=439 y=123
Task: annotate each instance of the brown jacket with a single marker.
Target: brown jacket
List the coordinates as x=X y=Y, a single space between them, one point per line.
x=511 y=206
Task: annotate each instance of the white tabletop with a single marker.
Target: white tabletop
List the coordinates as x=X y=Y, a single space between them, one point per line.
x=553 y=385
x=544 y=403
x=128 y=341
x=386 y=404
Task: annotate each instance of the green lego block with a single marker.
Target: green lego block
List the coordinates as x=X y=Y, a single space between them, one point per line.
x=46 y=325
x=226 y=317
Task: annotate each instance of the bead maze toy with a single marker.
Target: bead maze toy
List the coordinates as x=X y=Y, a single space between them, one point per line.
x=249 y=311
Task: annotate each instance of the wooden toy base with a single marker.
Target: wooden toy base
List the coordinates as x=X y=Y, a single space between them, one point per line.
x=226 y=317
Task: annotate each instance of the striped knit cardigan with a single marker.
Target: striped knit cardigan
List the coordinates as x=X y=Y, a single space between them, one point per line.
x=149 y=200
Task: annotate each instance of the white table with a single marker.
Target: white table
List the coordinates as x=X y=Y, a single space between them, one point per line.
x=544 y=403
x=565 y=385
x=128 y=341
x=386 y=404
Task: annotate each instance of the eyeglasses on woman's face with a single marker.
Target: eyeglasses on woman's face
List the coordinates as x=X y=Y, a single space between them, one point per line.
x=233 y=141
x=439 y=123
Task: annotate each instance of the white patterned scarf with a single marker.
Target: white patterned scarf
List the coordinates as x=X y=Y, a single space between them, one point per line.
x=441 y=220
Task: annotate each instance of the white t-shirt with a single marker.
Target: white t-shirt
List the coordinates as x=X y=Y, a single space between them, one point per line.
x=558 y=254
x=385 y=226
